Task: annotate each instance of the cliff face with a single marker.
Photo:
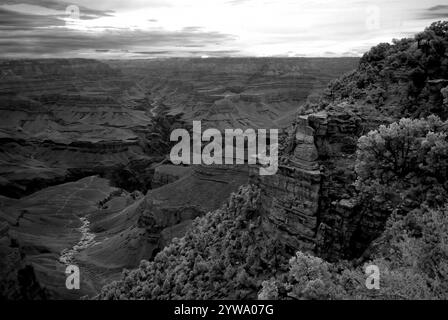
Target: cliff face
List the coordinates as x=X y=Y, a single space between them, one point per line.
x=309 y=203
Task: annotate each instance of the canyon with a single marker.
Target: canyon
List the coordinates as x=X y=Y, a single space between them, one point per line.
x=85 y=176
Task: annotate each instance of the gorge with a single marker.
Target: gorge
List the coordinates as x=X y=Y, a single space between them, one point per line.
x=84 y=148
x=87 y=179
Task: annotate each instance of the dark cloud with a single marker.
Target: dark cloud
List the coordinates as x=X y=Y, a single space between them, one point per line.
x=439 y=12
x=439 y=7
x=67 y=42
x=22 y=21
x=28 y=35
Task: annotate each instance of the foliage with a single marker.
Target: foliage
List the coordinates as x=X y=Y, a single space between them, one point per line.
x=309 y=277
x=412 y=259
x=401 y=169
x=404 y=73
x=224 y=255
x=405 y=162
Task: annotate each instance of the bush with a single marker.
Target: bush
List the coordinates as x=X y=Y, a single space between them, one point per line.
x=412 y=258
x=406 y=161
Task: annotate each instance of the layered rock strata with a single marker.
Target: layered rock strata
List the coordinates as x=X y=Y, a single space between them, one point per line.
x=310 y=202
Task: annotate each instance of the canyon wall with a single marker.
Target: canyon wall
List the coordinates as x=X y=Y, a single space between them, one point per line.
x=310 y=203
x=66 y=119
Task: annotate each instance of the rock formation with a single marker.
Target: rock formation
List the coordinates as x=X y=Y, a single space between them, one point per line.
x=309 y=202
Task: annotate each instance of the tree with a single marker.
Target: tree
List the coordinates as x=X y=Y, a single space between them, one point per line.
x=406 y=160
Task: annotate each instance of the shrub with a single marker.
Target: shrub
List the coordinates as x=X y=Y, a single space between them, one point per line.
x=405 y=161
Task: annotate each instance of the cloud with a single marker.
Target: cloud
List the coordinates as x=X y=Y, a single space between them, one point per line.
x=67 y=42
x=438 y=7
x=208 y=27
x=22 y=21
x=61 y=6
x=24 y=34
x=439 y=12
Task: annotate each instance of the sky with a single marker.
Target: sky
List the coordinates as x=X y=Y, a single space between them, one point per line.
x=122 y=29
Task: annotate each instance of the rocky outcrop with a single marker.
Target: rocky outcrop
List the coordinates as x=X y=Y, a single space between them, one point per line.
x=310 y=202
x=290 y=199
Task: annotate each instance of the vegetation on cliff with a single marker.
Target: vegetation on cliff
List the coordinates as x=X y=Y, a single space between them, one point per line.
x=406 y=78
x=401 y=177
x=413 y=264
x=404 y=164
x=401 y=169
x=224 y=255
